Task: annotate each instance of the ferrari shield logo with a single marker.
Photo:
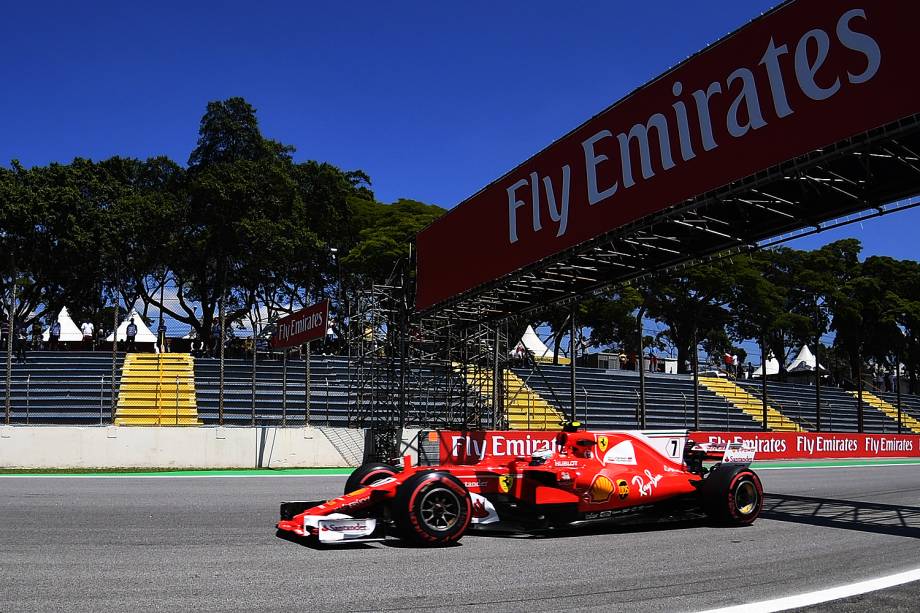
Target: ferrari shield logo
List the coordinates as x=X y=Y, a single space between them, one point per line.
x=505 y=482
x=602 y=443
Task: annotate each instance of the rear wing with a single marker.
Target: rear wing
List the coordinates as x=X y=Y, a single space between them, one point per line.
x=726 y=453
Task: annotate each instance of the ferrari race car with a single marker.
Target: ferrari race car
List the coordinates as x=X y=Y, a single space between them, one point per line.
x=583 y=479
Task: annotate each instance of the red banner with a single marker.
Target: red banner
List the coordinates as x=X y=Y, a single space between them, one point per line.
x=819 y=445
x=805 y=75
x=473 y=447
x=301 y=327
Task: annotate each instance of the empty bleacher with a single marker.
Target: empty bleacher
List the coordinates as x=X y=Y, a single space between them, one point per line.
x=838 y=407
x=608 y=399
x=62 y=387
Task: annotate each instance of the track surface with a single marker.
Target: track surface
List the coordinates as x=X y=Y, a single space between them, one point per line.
x=170 y=544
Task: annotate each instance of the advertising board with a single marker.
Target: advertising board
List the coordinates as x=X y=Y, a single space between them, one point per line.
x=802 y=77
x=306 y=325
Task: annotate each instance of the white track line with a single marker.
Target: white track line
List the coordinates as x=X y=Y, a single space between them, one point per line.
x=826 y=595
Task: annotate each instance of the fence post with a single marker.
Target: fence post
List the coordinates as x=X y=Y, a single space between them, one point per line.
x=101 y=386
x=284 y=361
x=327 y=405
x=28 y=396
x=177 y=400
x=308 y=385
x=10 y=323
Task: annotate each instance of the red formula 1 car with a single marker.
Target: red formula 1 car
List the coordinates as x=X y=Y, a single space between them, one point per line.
x=584 y=478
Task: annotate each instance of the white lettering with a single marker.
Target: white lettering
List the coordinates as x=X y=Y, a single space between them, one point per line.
x=683 y=125
x=770 y=59
x=805 y=70
x=513 y=205
x=859 y=42
x=748 y=95
x=702 y=112
x=639 y=133
x=592 y=159
x=559 y=215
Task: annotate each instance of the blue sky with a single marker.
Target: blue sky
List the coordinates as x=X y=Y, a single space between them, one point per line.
x=434 y=100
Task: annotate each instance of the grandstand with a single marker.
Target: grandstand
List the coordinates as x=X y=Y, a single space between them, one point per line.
x=58 y=387
x=609 y=399
x=75 y=388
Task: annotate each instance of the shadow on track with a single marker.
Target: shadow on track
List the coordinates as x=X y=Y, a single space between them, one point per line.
x=873 y=517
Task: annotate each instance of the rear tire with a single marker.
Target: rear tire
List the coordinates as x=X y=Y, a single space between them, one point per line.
x=432 y=509
x=368 y=473
x=732 y=495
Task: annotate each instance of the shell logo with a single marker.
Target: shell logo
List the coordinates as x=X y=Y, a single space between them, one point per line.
x=505 y=482
x=602 y=443
x=622 y=489
x=601 y=489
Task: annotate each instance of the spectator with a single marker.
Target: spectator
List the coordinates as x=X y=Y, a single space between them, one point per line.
x=750 y=370
x=653 y=362
x=87 y=329
x=36 y=335
x=54 y=335
x=161 y=336
x=20 y=342
x=131 y=334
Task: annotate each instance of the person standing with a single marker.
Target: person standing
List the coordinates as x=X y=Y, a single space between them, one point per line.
x=36 y=335
x=20 y=342
x=131 y=334
x=87 y=329
x=54 y=335
x=161 y=336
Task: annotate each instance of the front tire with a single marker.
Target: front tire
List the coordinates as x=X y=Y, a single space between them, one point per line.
x=432 y=509
x=366 y=474
x=733 y=495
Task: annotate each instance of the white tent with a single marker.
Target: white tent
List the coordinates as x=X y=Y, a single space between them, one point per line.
x=804 y=361
x=532 y=343
x=69 y=330
x=772 y=367
x=144 y=335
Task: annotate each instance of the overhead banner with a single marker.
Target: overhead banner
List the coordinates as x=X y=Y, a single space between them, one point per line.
x=301 y=327
x=803 y=76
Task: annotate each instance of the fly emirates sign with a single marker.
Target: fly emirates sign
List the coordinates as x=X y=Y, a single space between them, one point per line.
x=804 y=76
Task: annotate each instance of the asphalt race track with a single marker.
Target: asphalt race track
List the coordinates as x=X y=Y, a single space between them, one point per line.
x=191 y=544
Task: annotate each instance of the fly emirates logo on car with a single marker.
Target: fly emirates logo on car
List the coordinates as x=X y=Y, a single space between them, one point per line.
x=499 y=445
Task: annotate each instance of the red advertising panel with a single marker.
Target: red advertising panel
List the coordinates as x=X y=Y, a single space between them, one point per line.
x=473 y=447
x=819 y=445
x=804 y=76
x=301 y=327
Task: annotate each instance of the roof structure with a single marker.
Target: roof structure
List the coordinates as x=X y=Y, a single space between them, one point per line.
x=634 y=191
x=532 y=343
x=144 y=335
x=69 y=330
x=804 y=361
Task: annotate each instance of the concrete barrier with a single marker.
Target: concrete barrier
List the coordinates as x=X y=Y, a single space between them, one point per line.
x=153 y=447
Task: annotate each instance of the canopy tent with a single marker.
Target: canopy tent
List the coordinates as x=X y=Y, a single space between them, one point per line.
x=533 y=345
x=772 y=367
x=805 y=361
x=69 y=331
x=144 y=335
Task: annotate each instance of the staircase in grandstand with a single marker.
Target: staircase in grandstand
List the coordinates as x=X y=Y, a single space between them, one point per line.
x=750 y=404
x=907 y=421
x=157 y=390
x=524 y=407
